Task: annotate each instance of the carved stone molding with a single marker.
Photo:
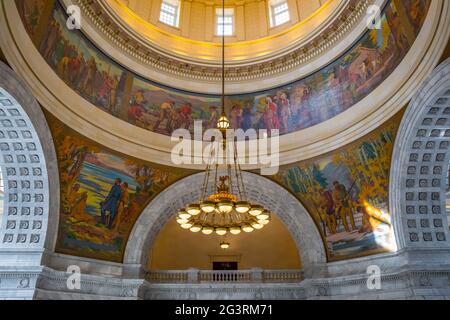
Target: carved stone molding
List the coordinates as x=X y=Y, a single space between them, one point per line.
x=420 y=165
x=25 y=147
x=268 y=66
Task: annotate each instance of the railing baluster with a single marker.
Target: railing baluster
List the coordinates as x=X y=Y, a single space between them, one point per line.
x=241 y=276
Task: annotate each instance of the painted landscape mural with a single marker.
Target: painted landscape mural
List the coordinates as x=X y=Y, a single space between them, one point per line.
x=302 y=104
x=102 y=194
x=346 y=193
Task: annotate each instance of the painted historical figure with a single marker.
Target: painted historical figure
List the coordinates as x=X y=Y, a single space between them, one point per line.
x=102 y=194
x=346 y=194
x=111 y=204
x=122 y=208
x=299 y=105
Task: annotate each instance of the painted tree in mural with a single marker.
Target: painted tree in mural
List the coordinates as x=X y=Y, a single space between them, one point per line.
x=145 y=175
x=88 y=174
x=346 y=193
x=72 y=153
x=319 y=177
x=309 y=101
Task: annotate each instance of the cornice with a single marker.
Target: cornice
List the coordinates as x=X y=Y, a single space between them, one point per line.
x=290 y=58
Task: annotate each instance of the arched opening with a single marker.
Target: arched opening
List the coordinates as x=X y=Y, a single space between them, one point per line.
x=270 y=248
x=419 y=168
x=28 y=215
x=293 y=218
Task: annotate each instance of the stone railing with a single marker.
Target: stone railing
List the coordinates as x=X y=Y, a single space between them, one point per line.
x=238 y=276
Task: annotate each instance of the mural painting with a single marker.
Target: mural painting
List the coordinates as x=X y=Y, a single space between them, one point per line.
x=81 y=66
x=346 y=193
x=163 y=111
x=302 y=104
x=102 y=194
x=31 y=12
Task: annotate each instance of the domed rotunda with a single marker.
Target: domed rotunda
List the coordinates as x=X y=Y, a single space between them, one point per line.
x=224 y=150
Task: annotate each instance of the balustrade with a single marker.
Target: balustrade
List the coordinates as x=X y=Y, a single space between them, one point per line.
x=234 y=276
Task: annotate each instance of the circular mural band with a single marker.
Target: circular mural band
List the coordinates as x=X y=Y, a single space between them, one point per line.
x=289 y=108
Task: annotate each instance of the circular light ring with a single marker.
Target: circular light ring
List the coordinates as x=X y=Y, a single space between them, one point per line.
x=221 y=231
x=196 y=228
x=184 y=215
x=242 y=206
x=256 y=210
x=193 y=209
x=182 y=221
x=263 y=216
x=235 y=230
x=207 y=230
x=257 y=226
x=187 y=225
x=207 y=206
x=225 y=206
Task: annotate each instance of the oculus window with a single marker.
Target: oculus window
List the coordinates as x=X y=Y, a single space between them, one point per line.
x=279 y=13
x=170 y=12
x=225 y=22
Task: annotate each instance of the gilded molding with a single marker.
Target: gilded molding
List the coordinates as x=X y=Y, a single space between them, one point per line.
x=280 y=63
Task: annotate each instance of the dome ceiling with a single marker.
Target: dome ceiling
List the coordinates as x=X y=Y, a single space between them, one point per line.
x=252 y=19
x=336 y=103
x=186 y=52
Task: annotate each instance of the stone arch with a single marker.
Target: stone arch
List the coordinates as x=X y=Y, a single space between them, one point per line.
x=27 y=159
x=271 y=195
x=419 y=166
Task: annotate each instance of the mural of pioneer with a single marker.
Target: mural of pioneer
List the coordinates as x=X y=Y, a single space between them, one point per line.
x=102 y=194
x=302 y=104
x=346 y=193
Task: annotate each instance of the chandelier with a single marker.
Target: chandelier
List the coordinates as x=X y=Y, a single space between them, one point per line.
x=227 y=209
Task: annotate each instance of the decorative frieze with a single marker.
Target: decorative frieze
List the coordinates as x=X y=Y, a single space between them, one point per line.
x=168 y=63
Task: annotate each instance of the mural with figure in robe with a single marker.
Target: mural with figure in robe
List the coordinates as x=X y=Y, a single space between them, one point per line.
x=102 y=194
x=346 y=193
x=307 y=102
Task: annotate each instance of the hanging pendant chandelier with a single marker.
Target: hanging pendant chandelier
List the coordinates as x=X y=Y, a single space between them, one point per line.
x=227 y=209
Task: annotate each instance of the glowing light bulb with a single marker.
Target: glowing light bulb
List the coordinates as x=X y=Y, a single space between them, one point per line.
x=235 y=230
x=221 y=231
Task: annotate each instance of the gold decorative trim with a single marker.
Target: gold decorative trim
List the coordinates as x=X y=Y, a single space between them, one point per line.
x=207 y=71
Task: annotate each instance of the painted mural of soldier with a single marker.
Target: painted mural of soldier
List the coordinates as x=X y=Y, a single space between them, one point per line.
x=111 y=204
x=343 y=209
